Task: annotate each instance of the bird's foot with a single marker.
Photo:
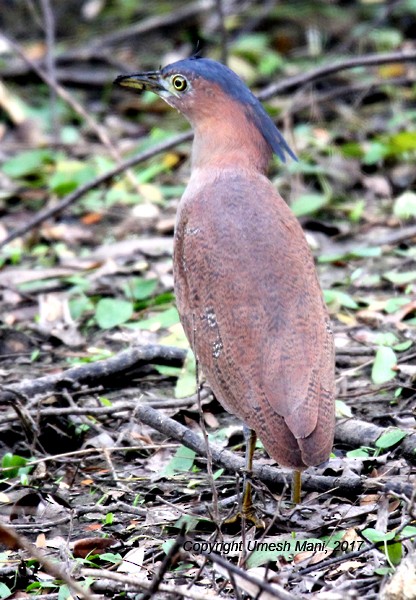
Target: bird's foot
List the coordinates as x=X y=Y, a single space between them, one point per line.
x=246 y=516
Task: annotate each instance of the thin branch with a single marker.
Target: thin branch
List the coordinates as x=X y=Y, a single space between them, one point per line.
x=143 y=26
x=119 y=406
x=366 y=60
x=60 y=91
x=363 y=89
x=106 y=177
x=99 y=371
x=49 y=28
x=64 y=95
x=257 y=586
x=222 y=30
x=134 y=583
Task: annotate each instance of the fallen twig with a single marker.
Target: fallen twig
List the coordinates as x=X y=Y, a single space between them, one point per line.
x=98 y=371
x=133 y=583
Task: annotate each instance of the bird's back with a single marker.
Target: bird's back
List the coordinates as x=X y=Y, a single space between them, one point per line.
x=252 y=309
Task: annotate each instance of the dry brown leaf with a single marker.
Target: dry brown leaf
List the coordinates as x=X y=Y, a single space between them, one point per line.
x=95 y=545
x=348 y=565
x=55 y=319
x=250 y=587
x=369 y=499
x=312 y=557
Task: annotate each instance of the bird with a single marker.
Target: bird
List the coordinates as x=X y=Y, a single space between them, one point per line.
x=245 y=281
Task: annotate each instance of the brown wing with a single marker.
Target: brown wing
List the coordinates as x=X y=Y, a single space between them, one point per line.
x=252 y=309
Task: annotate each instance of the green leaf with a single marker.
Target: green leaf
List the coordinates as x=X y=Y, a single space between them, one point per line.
x=394 y=552
x=64 y=592
x=408 y=530
x=163 y=319
x=5 y=591
x=397 y=393
x=217 y=474
x=69 y=175
x=186 y=383
x=40 y=585
x=384 y=365
x=257 y=558
x=80 y=304
x=400 y=278
x=404 y=141
x=168 y=371
x=385 y=339
x=105 y=401
x=190 y=522
x=359 y=453
x=166 y=546
x=385 y=38
x=146 y=174
x=26 y=163
x=384 y=571
x=111 y=312
x=182 y=461
x=357 y=211
x=403 y=346
x=365 y=252
x=164 y=298
x=108 y=519
x=341 y=298
x=394 y=304
x=140 y=289
x=70 y=135
x=330 y=258
x=342 y=410
x=308 y=204
x=12 y=463
x=352 y=150
x=405 y=205
x=375 y=537
x=111 y=557
x=269 y=63
x=390 y=438
x=374 y=152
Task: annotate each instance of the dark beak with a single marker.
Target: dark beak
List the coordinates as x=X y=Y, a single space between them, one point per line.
x=151 y=81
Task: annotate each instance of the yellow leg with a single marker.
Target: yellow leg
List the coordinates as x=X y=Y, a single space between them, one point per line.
x=247 y=507
x=248 y=512
x=296 y=486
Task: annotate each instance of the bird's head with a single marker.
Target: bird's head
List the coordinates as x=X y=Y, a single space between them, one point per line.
x=204 y=90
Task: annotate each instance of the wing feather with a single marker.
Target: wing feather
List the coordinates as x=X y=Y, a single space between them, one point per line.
x=252 y=308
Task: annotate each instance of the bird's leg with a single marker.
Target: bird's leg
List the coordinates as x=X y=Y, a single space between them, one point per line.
x=296 y=486
x=250 y=438
x=248 y=512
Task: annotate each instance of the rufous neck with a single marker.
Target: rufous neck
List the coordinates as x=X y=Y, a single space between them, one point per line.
x=237 y=144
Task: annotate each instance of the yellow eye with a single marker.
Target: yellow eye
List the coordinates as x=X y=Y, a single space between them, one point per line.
x=179 y=83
